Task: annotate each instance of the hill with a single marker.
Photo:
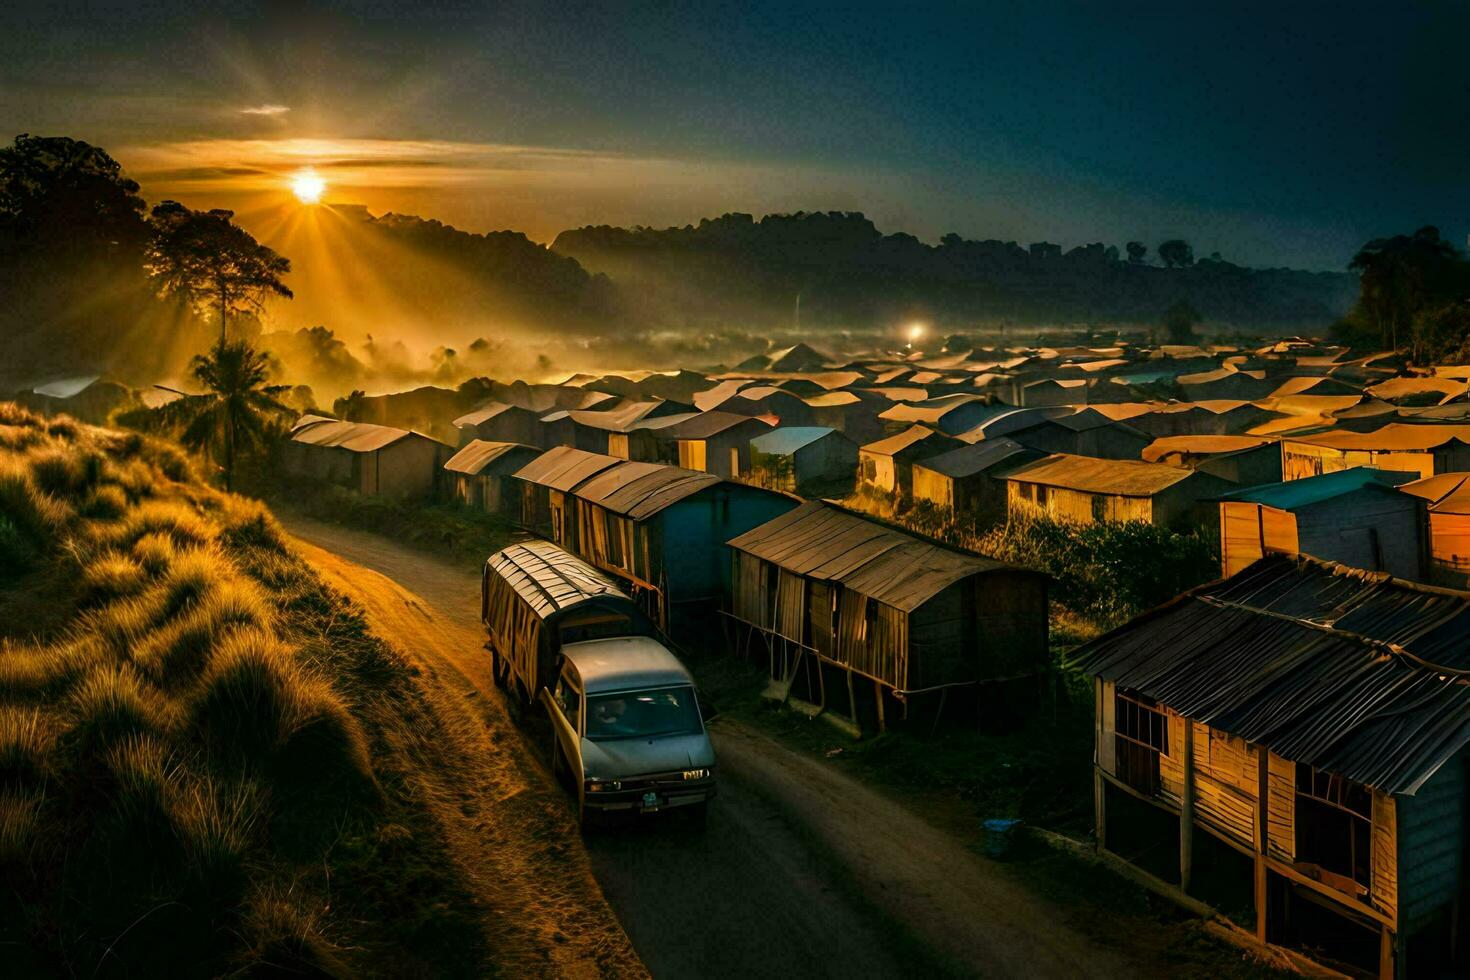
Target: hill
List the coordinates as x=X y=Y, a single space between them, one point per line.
x=210 y=765
x=849 y=274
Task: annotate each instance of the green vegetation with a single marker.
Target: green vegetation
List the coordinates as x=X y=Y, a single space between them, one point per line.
x=1103 y=574
x=464 y=534
x=238 y=413
x=202 y=749
x=1414 y=293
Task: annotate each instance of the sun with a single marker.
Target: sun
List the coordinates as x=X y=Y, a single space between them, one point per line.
x=308 y=187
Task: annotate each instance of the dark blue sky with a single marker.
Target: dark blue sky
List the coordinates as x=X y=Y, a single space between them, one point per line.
x=1276 y=133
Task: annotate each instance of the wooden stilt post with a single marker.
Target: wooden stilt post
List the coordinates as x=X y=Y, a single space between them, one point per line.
x=1385 y=954
x=1100 y=808
x=1262 y=809
x=878 y=694
x=1186 y=811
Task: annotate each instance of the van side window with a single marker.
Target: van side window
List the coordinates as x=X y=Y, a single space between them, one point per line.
x=569 y=699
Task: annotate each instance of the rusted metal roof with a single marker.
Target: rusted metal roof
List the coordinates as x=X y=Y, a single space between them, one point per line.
x=1123 y=477
x=913 y=436
x=1395 y=436
x=550 y=579
x=707 y=424
x=828 y=543
x=640 y=490
x=1200 y=445
x=978 y=457
x=357 y=437
x=1448 y=493
x=1349 y=671
x=564 y=467
x=477 y=455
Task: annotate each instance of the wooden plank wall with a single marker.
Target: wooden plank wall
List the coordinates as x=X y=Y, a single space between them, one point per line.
x=1281 y=799
x=1385 y=881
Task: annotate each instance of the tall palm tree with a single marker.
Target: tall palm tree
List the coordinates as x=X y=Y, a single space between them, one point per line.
x=234 y=414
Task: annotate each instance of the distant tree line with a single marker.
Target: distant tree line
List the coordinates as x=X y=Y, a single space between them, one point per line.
x=739 y=269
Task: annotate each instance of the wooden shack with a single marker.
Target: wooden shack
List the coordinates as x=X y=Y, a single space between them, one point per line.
x=1424 y=450
x=477 y=475
x=887 y=466
x=1082 y=490
x=544 y=483
x=1084 y=433
x=1246 y=461
x=714 y=442
x=661 y=530
x=1300 y=730
x=500 y=422
x=808 y=460
x=1447 y=502
x=875 y=623
x=375 y=460
x=1354 y=516
x=969 y=481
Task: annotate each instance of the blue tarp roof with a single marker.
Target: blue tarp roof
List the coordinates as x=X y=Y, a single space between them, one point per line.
x=1315 y=489
x=788 y=439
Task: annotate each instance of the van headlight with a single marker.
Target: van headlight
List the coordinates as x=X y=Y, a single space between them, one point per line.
x=603 y=786
x=696 y=774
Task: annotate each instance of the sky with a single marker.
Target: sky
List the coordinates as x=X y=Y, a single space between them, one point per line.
x=1274 y=133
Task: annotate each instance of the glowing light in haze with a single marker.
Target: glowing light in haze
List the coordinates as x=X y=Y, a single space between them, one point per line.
x=308 y=187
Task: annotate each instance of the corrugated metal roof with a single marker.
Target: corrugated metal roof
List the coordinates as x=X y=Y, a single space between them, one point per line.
x=640 y=490
x=978 y=457
x=907 y=439
x=549 y=578
x=1448 y=493
x=931 y=410
x=707 y=424
x=357 y=437
x=788 y=439
x=1353 y=672
x=1395 y=436
x=1201 y=445
x=1315 y=489
x=1125 y=477
x=484 y=413
x=826 y=542
x=477 y=455
x=564 y=467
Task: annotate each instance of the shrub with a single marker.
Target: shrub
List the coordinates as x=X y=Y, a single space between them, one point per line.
x=112 y=576
x=282 y=939
x=247 y=697
x=66 y=472
x=177 y=653
x=20 y=823
x=34 y=513
x=110 y=705
x=105 y=502
x=192 y=575
x=216 y=824
x=156 y=552
x=29 y=672
x=26 y=740
x=144 y=784
x=250 y=525
x=178 y=521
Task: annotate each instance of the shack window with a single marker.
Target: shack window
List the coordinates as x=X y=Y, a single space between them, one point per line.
x=1142 y=732
x=1334 y=824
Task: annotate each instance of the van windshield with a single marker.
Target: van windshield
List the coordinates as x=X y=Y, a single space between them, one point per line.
x=643 y=714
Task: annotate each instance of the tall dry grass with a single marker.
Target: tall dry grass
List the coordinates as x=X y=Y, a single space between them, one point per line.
x=185 y=766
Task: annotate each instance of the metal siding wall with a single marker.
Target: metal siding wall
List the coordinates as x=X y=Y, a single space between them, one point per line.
x=1431 y=829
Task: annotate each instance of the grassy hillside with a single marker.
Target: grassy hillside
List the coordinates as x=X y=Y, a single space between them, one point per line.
x=208 y=764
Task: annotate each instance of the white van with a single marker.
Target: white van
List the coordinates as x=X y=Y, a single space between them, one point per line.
x=628 y=729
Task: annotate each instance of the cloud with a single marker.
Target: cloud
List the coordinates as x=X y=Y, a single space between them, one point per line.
x=269 y=109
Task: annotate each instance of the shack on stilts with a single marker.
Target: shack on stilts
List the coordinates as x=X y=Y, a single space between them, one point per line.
x=874 y=624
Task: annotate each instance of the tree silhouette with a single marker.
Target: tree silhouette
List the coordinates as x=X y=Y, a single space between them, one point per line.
x=1179 y=321
x=1176 y=253
x=236 y=412
x=1402 y=275
x=206 y=260
x=1137 y=252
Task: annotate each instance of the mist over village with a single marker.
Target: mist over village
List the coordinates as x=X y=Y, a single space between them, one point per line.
x=777 y=490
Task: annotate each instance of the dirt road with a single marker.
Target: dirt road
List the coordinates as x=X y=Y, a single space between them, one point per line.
x=801 y=870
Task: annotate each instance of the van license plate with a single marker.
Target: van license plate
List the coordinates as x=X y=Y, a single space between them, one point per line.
x=650 y=801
